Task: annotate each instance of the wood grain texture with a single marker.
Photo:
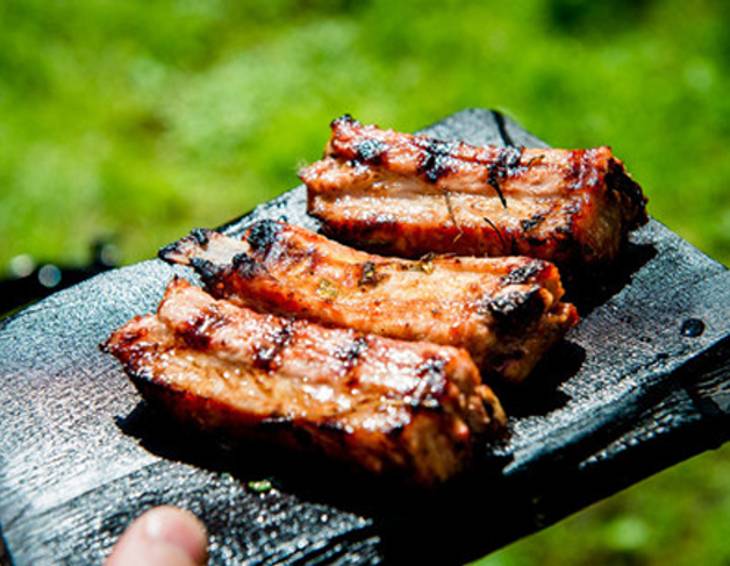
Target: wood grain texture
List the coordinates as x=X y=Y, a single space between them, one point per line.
x=633 y=389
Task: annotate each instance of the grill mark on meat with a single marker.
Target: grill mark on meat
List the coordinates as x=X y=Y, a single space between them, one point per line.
x=431 y=385
x=354 y=351
x=344 y=119
x=525 y=273
x=582 y=174
x=206 y=268
x=435 y=161
x=196 y=332
x=371 y=151
x=263 y=235
x=200 y=235
x=533 y=222
x=505 y=166
x=266 y=352
x=351 y=356
x=247 y=266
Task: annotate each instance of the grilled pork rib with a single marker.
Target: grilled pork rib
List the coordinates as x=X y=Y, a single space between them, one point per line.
x=382 y=404
x=409 y=195
x=505 y=311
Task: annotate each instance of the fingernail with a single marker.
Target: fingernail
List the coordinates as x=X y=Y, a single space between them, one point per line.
x=154 y=526
x=177 y=528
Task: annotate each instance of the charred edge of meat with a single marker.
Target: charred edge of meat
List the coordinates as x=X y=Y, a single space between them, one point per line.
x=153 y=392
x=265 y=355
x=246 y=266
x=436 y=160
x=262 y=235
x=533 y=222
x=432 y=374
x=171 y=252
x=200 y=235
x=618 y=180
x=506 y=165
x=371 y=151
x=125 y=340
x=516 y=309
x=196 y=332
x=344 y=119
x=524 y=273
x=164 y=398
x=206 y=268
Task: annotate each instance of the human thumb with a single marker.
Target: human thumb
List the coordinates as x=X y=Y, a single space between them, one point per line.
x=162 y=536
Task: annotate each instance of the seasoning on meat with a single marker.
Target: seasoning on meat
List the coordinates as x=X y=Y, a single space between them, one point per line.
x=505 y=311
x=383 y=404
x=408 y=195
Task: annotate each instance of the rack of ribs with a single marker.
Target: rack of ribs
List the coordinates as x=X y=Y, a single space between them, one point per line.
x=385 y=405
x=408 y=195
x=506 y=312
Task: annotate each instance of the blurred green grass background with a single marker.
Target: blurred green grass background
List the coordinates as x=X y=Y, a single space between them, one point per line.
x=143 y=119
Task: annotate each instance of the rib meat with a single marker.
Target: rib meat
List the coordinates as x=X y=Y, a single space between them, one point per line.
x=505 y=311
x=409 y=195
x=382 y=404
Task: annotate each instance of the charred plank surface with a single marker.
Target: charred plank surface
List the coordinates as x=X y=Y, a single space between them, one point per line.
x=635 y=387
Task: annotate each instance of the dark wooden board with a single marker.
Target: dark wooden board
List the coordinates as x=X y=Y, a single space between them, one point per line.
x=642 y=383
